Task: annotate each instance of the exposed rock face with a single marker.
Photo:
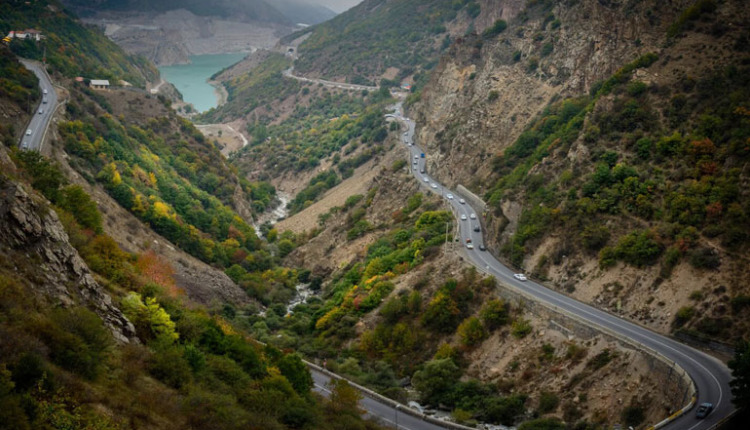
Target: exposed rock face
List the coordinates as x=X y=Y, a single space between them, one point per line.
x=485 y=91
x=172 y=37
x=31 y=230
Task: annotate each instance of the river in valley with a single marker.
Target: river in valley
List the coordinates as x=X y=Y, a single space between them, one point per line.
x=192 y=79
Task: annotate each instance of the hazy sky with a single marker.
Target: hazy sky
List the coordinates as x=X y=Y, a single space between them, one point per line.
x=336 y=5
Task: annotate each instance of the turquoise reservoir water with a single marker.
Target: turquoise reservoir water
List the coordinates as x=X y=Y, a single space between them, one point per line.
x=191 y=79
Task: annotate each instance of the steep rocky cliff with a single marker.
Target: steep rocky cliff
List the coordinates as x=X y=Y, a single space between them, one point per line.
x=35 y=244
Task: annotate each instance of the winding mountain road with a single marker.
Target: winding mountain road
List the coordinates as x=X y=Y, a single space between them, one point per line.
x=711 y=376
x=289 y=73
x=33 y=137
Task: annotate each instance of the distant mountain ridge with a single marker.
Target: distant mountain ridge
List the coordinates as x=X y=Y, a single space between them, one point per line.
x=286 y=12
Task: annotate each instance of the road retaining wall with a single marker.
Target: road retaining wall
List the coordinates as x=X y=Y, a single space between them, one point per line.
x=675 y=383
x=475 y=201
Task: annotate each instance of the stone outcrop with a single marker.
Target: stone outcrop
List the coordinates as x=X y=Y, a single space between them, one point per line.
x=30 y=230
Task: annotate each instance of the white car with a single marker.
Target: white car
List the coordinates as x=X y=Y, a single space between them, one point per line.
x=415 y=162
x=416 y=157
x=463 y=217
x=433 y=186
x=25 y=145
x=520 y=276
x=469 y=246
x=426 y=179
x=473 y=216
x=41 y=111
x=450 y=196
x=462 y=201
x=28 y=132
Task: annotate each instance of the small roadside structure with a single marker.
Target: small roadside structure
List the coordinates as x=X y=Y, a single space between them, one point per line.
x=29 y=33
x=99 y=84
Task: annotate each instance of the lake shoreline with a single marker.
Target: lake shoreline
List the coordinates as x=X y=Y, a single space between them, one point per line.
x=194 y=81
x=221 y=93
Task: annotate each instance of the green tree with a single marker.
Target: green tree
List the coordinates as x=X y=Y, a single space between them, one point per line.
x=344 y=398
x=436 y=380
x=150 y=319
x=293 y=369
x=76 y=201
x=740 y=383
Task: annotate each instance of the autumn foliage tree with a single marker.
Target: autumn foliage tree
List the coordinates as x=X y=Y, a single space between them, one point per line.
x=155 y=269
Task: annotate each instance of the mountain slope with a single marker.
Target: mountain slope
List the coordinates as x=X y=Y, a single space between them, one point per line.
x=240 y=10
x=611 y=166
x=70 y=48
x=361 y=44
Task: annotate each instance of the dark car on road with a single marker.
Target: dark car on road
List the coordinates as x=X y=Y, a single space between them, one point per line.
x=703 y=410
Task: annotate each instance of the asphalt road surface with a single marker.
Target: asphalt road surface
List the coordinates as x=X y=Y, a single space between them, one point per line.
x=33 y=137
x=390 y=416
x=711 y=376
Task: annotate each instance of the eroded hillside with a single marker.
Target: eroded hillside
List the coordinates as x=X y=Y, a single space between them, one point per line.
x=610 y=140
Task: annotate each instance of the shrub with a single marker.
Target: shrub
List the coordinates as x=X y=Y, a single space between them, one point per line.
x=547 y=49
x=498 y=27
x=638 y=248
x=520 y=328
x=494 y=313
x=633 y=415
x=600 y=360
x=493 y=95
x=547 y=402
x=543 y=424
x=77 y=340
x=704 y=258
x=471 y=332
x=683 y=315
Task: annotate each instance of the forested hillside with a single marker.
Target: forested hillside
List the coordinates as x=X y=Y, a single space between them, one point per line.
x=71 y=49
x=19 y=88
x=97 y=337
x=361 y=44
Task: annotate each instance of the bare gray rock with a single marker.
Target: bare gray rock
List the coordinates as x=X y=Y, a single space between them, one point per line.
x=30 y=230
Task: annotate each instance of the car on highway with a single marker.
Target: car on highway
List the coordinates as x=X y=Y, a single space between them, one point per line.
x=25 y=145
x=462 y=201
x=449 y=196
x=473 y=216
x=426 y=179
x=476 y=228
x=28 y=132
x=468 y=240
x=482 y=247
x=41 y=111
x=416 y=157
x=469 y=246
x=703 y=410
x=463 y=217
x=415 y=162
x=520 y=276
x=433 y=185
x=45 y=91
